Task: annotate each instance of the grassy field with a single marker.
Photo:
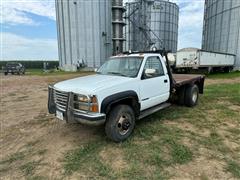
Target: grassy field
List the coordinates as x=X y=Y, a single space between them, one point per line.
x=224 y=75
x=40 y=72
x=178 y=142
x=160 y=143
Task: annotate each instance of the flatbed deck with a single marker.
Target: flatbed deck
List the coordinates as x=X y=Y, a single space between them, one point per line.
x=180 y=80
x=186 y=78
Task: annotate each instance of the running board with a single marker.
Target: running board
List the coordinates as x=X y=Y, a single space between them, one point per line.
x=152 y=110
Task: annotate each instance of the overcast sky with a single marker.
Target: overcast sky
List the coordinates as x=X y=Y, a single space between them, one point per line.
x=28 y=28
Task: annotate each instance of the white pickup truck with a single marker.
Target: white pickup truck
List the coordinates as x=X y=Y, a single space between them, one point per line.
x=126 y=88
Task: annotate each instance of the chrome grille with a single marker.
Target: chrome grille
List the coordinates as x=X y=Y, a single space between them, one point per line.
x=60 y=99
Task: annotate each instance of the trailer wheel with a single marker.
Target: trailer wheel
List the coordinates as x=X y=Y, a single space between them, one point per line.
x=226 y=69
x=120 y=123
x=191 y=95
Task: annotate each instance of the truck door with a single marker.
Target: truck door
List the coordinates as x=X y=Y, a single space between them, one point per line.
x=154 y=84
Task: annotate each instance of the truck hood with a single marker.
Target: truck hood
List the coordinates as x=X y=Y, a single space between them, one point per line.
x=89 y=85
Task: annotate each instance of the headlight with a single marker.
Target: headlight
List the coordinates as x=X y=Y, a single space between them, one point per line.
x=81 y=98
x=84 y=103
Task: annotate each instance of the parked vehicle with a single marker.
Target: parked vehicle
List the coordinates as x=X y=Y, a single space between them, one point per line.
x=192 y=58
x=126 y=88
x=14 y=68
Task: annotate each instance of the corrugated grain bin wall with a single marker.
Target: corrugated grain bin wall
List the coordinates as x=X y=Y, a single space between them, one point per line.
x=117 y=26
x=136 y=17
x=84 y=32
x=151 y=23
x=221 y=32
x=163 y=20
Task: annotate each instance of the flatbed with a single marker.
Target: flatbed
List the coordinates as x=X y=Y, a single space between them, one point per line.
x=184 y=79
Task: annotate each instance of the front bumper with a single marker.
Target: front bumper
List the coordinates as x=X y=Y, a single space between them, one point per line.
x=72 y=115
x=11 y=70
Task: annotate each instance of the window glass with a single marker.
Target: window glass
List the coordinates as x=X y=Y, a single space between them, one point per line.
x=154 y=64
x=122 y=66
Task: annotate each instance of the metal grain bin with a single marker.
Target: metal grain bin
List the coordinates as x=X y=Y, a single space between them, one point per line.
x=117 y=26
x=84 y=32
x=151 y=23
x=136 y=37
x=221 y=32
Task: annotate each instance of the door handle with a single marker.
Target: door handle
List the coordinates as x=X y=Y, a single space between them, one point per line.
x=165 y=81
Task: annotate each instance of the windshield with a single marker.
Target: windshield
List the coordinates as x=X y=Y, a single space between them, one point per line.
x=122 y=66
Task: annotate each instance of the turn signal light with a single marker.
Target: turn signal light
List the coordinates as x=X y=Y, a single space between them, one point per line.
x=94 y=107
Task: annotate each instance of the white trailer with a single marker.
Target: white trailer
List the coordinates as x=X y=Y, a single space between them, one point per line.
x=199 y=59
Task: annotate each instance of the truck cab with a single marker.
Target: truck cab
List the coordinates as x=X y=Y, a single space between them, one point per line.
x=125 y=88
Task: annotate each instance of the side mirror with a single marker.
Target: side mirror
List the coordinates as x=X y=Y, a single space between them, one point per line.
x=150 y=73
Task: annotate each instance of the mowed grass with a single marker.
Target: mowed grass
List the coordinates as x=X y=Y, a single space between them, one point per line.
x=40 y=72
x=22 y=161
x=161 y=145
x=166 y=140
x=234 y=74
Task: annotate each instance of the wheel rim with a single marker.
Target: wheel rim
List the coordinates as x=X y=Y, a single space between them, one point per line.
x=194 y=96
x=123 y=125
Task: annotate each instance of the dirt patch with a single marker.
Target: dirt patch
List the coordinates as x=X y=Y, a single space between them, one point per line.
x=232 y=145
x=186 y=126
x=235 y=108
x=229 y=105
x=222 y=81
x=24 y=119
x=199 y=168
x=114 y=157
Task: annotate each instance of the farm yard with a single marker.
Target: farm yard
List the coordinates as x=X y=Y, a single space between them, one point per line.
x=175 y=143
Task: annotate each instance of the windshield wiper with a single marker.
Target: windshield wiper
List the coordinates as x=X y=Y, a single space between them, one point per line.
x=117 y=73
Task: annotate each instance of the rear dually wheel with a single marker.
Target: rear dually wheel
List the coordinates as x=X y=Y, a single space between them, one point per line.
x=191 y=95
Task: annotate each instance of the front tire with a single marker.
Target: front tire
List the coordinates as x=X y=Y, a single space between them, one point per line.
x=120 y=123
x=191 y=95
